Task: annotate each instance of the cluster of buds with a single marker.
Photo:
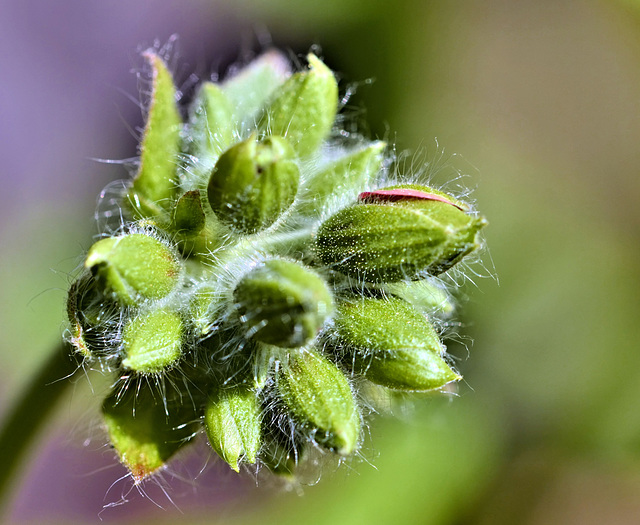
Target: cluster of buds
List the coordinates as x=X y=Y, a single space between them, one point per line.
x=269 y=281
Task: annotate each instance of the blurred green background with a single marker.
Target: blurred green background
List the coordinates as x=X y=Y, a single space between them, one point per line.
x=538 y=102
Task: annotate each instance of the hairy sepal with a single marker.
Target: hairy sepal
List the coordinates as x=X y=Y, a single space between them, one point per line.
x=155 y=184
x=304 y=107
x=147 y=429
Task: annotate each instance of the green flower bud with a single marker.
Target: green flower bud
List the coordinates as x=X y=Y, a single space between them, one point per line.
x=319 y=398
x=253 y=183
x=232 y=423
x=146 y=430
x=134 y=267
x=401 y=235
x=282 y=303
x=392 y=344
x=156 y=181
x=152 y=342
x=188 y=216
x=217 y=310
x=304 y=108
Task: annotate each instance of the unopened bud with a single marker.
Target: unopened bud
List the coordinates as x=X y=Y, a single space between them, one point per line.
x=319 y=398
x=398 y=233
x=253 y=183
x=147 y=429
x=304 y=107
x=134 y=267
x=153 y=341
x=391 y=344
x=282 y=303
x=232 y=423
x=188 y=216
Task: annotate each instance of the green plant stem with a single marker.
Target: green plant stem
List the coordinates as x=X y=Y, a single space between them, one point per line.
x=28 y=416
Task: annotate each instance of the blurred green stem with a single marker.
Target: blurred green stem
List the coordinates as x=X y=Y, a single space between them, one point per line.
x=28 y=416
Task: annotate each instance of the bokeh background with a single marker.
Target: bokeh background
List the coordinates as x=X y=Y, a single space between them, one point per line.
x=538 y=102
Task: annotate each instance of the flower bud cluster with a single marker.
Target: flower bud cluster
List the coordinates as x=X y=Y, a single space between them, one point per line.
x=266 y=275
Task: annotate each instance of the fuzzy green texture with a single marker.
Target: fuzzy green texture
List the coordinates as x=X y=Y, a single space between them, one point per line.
x=211 y=125
x=391 y=344
x=134 y=267
x=251 y=87
x=405 y=369
x=204 y=307
x=189 y=218
x=304 y=108
x=156 y=181
x=282 y=303
x=319 y=396
x=153 y=341
x=264 y=286
x=424 y=295
x=146 y=431
x=396 y=241
x=342 y=177
x=373 y=324
x=233 y=426
x=253 y=183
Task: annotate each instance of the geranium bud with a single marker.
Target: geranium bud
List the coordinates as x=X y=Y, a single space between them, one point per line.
x=232 y=424
x=152 y=341
x=254 y=282
x=304 y=107
x=398 y=235
x=282 y=303
x=188 y=216
x=134 y=267
x=253 y=183
x=319 y=398
x=391 y=344
x=147 y=429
